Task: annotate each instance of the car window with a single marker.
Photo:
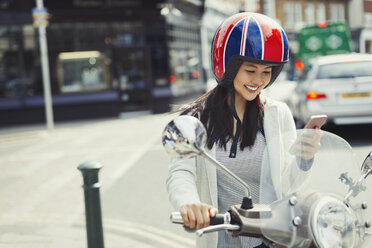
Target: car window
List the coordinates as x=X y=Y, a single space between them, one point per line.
x=345 y=70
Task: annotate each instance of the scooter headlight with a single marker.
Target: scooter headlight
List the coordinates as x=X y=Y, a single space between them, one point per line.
x=333 y=224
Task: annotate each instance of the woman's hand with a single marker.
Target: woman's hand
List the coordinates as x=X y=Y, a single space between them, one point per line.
x=197 y=215
x=306 y=145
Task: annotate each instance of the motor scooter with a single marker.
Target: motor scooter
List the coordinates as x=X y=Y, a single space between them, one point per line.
x=322 y=202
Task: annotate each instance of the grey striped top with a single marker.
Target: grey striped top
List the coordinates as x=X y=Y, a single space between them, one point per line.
x=246 y=165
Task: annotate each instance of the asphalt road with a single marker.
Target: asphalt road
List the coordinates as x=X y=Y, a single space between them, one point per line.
x=42 y=203
x=358 y=136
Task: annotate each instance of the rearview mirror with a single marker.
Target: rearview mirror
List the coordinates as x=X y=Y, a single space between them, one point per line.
x=185 y=136
x=367 y=165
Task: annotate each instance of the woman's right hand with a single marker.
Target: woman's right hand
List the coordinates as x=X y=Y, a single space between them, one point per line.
x=197 y=215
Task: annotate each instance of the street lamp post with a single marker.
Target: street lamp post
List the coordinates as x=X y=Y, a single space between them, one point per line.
x=45 y=65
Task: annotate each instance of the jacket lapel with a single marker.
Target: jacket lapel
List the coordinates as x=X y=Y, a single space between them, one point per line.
x=212 y=177
x=273 y=142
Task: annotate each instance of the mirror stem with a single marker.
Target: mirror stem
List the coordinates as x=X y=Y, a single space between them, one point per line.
x=356 y=188
x=228 y=173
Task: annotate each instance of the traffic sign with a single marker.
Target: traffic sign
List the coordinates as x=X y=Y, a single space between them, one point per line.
x=40 y=17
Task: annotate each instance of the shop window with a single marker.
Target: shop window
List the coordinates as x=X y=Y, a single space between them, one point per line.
x=4 y=40
x=293 y=14
x=185 y=66
x=17 y=4
x=127 y=34
x=93 y=35
x=321 y=13
x=269 y=8
x=19 y=71
x=82 y=71
x=129 y=67
x=337 y=12
x=102 y=3
x=368 y=48
x=29 y=41
x=184 y=54
x=159 y=65
x=310 y=13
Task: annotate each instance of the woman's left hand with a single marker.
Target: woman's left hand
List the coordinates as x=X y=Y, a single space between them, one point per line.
x=306 y=145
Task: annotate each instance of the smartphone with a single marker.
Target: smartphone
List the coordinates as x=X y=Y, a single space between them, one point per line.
x=316 y=121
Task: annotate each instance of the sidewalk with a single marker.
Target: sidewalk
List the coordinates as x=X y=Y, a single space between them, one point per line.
x=58 y=234
x=42 y=202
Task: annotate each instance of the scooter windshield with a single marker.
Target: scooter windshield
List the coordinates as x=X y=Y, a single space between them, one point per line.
x=317 y=194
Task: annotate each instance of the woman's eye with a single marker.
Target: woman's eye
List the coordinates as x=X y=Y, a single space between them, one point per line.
x=250 y=71
x=267 y=72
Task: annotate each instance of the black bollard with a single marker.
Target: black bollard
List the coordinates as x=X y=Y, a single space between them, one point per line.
x=92 y=203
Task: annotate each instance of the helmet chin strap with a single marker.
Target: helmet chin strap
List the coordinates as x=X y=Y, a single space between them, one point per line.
x=234 y=146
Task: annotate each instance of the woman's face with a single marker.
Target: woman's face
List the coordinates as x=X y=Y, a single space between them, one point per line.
x=250 y=80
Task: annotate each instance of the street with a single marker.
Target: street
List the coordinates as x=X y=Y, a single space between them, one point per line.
x=42 y=202
x=359 y=137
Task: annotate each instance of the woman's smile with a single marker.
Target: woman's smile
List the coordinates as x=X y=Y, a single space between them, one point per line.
x=251 y=89
x=250 y=79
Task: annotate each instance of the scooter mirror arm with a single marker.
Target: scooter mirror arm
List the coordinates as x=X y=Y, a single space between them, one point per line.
x=356 y=188
x=227 y=172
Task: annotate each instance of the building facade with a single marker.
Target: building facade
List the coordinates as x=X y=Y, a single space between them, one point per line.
x=295 y=14
x=105 y=57
x=361 y=24
x=113 y=56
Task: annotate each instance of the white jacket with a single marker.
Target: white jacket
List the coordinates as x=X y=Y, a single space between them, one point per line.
x=194 y=180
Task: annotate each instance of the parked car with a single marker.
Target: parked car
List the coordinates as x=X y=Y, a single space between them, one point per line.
x=339 y=86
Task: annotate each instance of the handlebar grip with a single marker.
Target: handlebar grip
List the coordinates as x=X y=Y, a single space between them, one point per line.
x=217 y=220
x=176 y=217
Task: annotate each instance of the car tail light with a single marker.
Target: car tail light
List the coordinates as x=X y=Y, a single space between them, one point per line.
x=299 y=65
x=195 y=74
x=313 y=95
x=172 y=78
x=322 y=24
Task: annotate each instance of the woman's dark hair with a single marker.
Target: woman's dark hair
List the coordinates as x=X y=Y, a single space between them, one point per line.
x=214 y=112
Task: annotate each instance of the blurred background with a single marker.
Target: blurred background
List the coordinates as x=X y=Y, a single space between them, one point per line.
x=107 y=57
x=116 y=69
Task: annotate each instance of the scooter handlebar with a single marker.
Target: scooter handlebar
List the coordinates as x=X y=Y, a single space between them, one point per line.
x=176 y=218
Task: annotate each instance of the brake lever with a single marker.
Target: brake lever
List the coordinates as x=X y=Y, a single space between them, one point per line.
x=215 y=228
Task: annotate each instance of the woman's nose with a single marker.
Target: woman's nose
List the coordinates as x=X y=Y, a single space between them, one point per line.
x=257 y=79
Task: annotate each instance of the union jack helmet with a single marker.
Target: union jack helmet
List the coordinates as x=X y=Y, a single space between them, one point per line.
x=248 y=37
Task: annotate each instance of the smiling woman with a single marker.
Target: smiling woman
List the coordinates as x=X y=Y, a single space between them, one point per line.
x=248 y=53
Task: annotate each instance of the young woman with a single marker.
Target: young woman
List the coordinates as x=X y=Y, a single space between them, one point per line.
x=248 y=53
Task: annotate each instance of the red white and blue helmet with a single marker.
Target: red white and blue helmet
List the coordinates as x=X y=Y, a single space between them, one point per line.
x=248 y=37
